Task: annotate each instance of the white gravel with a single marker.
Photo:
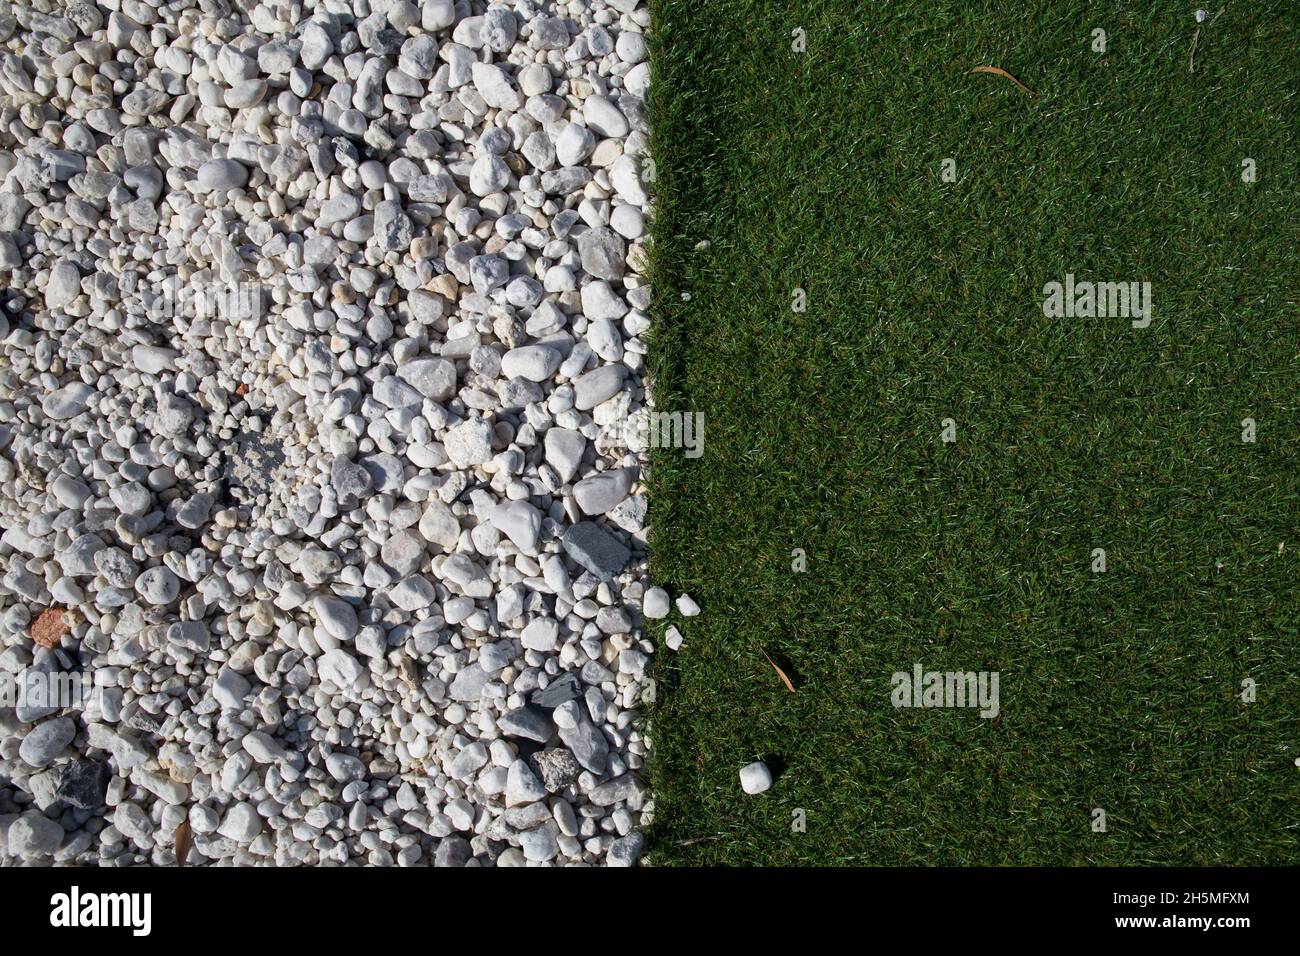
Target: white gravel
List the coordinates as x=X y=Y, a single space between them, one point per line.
x=755 y=778
x=323 y=326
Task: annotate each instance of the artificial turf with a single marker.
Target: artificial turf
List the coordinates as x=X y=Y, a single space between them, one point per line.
x=821 y=170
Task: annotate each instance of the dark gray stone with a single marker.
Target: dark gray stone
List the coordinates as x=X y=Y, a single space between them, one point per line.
x=594 y=549
x=527 y=722
x=84 y=784
x=565 y=687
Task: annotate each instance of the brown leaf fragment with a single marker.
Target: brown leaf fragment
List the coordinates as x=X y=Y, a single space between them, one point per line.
x=184 y=840
x=998 y=71
x=50 y=626
x=789 y=685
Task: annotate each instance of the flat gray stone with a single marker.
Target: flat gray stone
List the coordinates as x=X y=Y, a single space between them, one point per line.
x=603 y=253
x=529 y=722
x=595 y=550
x=565 y=687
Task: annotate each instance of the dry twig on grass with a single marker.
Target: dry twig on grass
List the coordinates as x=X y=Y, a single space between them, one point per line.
x=998 y=71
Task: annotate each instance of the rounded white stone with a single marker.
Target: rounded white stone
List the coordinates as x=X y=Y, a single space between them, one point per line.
x=755 y=777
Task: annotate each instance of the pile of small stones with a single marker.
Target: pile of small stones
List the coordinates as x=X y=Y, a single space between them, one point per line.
x=321 y=330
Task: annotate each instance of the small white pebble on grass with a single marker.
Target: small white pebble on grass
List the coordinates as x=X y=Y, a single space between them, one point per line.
x=687 y=607
x=755 y=777
x=654 y=605
x=673 y=638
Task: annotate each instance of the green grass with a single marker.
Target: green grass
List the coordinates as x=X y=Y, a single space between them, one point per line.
x=1120 y=690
